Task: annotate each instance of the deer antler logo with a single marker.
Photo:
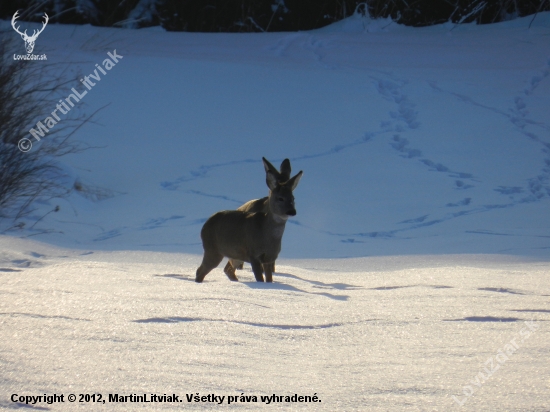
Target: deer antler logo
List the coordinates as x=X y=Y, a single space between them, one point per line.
x=29 y=40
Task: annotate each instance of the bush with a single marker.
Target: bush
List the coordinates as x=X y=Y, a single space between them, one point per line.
x=251 y=15
x=29 y=90
x=295 y=15
x=429 y=12
x=214 y=15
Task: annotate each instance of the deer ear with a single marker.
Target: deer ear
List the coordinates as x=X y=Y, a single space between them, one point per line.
x=271 y=180
x=295 y=180
x=269 y=168
x=285 y=170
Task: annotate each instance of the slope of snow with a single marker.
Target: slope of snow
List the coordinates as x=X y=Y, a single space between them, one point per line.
x=431 y=140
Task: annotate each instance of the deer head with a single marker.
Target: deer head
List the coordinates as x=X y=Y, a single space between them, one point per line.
x=29 y=40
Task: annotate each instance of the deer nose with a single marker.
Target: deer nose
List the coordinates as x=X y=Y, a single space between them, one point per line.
x=291 y=212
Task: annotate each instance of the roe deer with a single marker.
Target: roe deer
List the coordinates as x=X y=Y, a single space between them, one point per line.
x=249 y=237
x=260 y=205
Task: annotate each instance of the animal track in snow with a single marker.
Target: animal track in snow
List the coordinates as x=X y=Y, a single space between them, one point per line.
x=461 y=185
x=392 y=90
x=400 y=120
x=149 y=224
x=202 y=171
x=538 y=78
x=463 y=202
x=415 y=220
x=110 y=234
x=406 y=118
x=538 y=187
x=401 y=145
x=509 y=190
x=283 y=44
x=158 y=222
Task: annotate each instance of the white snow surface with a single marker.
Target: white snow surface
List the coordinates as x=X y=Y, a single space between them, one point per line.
x=420 y=249
x=376 y=334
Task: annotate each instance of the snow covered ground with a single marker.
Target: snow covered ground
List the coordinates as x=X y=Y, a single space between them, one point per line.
x=420 y=249
x=375 y=334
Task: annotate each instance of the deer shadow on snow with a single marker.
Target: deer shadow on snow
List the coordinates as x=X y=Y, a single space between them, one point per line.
x=322 y=285
x=290 y=288
x=276 y=285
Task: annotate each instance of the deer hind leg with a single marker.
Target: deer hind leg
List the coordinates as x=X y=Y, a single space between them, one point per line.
x=209 y=262
x=229 y=270
x=268 y=268
x=257 y=269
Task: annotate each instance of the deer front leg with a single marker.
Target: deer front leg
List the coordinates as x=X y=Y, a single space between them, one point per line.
x=268 y=269
x=257 y=269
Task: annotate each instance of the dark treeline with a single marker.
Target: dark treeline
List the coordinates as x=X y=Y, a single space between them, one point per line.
x=265 y=15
